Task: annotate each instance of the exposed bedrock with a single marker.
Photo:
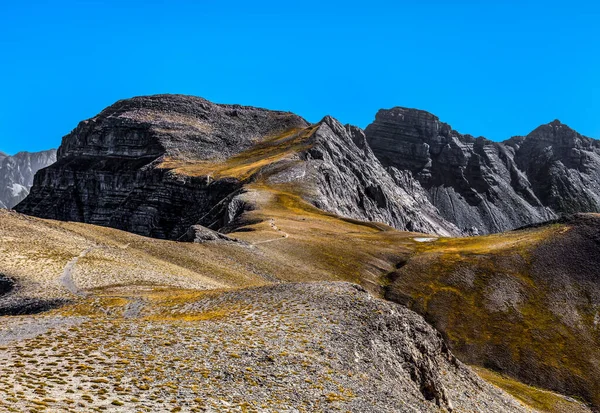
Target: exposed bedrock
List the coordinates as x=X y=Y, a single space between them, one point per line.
x=108 y=170
x=484 y=186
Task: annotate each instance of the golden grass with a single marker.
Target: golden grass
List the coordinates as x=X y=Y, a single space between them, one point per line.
x=538 y=399
x=454 y=282
x=247 y=163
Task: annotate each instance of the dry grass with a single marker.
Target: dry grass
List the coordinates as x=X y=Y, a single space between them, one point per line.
x=540 y=400
x=247 y=163
x=493 y=309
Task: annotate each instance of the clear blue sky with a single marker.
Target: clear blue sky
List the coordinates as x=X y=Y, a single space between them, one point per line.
x=491 y=68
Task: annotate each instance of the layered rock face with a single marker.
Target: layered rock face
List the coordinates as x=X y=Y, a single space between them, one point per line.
x=562 y=165
x=17 y=172
x=340 y=174
x=108 y=171
x=122 y=169
x=484 y=186
x=111 y=169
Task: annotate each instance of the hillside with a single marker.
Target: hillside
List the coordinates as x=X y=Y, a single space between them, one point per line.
x=160 y=197
x=525 y=303
x=115 y=295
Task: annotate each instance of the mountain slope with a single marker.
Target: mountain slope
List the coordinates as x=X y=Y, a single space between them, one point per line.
x=158 y=165
x=525 y=303
x=484 y=186
x=226 y=331
x=17 y=172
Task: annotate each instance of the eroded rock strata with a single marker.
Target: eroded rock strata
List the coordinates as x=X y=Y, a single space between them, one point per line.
x=484 y=186
x=108 y=170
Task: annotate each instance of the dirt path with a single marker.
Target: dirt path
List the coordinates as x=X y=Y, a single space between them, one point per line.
x=284 y=234
x=66 y=279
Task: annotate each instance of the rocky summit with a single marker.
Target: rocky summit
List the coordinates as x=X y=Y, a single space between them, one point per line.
x=17 y=172
x=483 y=186
x=109 y=168
x=158 y=165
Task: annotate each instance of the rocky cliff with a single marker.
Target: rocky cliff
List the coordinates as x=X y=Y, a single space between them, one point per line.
x=484 y=186
x=108 y=170
x=17 y=172
x=159 y=165
x=339 y=173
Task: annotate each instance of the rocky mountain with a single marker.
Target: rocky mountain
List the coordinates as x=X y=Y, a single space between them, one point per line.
x=309 y=212
x=17 y=172
x=484 y=186
x=158 y=165
x=108 y=170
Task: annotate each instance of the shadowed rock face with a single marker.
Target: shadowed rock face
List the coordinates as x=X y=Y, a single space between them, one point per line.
x=562 y=166
x=6 y=285
x=17 y=172
x=340 y=174
x=484 y=186
x=109 y=169
x=108 y=172
x=407 y=170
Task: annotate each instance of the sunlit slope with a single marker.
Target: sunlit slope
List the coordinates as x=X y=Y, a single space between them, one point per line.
x=285 y=240
x=526 y=303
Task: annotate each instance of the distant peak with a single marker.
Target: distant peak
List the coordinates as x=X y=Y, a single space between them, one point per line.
x=329 y=120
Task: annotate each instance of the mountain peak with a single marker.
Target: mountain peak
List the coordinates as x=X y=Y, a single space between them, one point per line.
x=556 y=122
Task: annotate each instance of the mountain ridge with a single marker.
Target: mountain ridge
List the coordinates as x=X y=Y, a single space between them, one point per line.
x=434 y=179
x=321 y=202
x=484 y=186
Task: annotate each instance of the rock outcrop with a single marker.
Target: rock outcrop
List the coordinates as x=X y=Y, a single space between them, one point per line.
x=17 y=172
x=108 y=170
x=340 y=174
x=158 y=165
x=113 y=170
x=484 y=186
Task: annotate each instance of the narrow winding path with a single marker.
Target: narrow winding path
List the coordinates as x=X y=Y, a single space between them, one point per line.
x=66 y=279
x=284 y=234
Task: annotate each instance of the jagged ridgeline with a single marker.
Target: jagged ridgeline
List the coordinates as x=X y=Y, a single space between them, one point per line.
x=158 y=165
x=484 y=186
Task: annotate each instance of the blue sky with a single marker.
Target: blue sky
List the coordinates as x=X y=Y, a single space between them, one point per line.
x=491 y=68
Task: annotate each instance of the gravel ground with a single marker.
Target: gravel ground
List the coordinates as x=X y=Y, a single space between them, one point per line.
x=290 y=347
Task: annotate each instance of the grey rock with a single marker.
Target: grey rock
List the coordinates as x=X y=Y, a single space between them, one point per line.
x=108 y=171
x=393 y=361
x=484 y=186
x=17 y=172
x=200 y=235
x=407 y=170
x=341 y=175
